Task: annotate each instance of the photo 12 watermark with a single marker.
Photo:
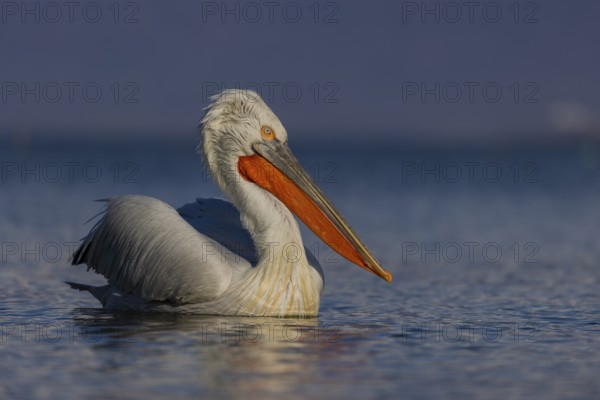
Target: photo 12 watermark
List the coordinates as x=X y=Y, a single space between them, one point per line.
x=69 y=92
x=69 y=12
x=270 y=12
x=269 y=252
x=470 y=12
x=319 y=92
x=471 y=252
x=36 y=252
x=469 y=172
x=270 y=332
x=468 y=332
x=68 y=172
x=470 y=92
x=325 y=172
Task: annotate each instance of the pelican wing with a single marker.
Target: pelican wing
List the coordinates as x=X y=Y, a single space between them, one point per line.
x=220 y=220
x=144 y=247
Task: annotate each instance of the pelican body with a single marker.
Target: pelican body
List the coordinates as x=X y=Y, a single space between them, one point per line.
x=244 y=258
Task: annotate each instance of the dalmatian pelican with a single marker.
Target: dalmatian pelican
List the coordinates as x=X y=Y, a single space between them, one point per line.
x=213 y=257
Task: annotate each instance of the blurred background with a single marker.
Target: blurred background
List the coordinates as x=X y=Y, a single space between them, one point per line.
x=404 y=72
x=460 y=139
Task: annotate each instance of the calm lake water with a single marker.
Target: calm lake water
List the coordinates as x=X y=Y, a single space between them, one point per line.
x=495 y=294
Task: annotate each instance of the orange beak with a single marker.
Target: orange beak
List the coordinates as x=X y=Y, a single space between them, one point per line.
x=276 y=170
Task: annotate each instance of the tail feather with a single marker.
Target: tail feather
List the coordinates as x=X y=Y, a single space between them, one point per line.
x=99 y=292
x=79 y=286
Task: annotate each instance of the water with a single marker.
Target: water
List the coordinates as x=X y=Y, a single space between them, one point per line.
x=495 y=291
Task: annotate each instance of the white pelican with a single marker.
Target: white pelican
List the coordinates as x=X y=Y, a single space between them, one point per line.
x=243 y=258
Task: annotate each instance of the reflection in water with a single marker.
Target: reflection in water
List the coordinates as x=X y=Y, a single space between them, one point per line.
x=260 y=354
x=102 y=326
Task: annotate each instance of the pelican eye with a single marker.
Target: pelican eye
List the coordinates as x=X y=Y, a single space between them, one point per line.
x=267 y=132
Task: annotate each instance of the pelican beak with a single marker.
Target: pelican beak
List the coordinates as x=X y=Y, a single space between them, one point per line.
x=275 y=169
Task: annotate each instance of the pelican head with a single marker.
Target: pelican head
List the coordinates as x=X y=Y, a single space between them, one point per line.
x=245 y=148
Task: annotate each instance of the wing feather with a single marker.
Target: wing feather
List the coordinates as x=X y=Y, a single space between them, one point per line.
x=146 y=248
x=220 y=220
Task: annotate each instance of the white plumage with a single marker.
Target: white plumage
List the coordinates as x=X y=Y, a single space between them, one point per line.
x=207 y=257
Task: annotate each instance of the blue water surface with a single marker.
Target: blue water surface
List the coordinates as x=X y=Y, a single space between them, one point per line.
x=495 y=294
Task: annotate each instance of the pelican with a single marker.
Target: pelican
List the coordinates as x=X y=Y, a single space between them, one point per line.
x=213 y=257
